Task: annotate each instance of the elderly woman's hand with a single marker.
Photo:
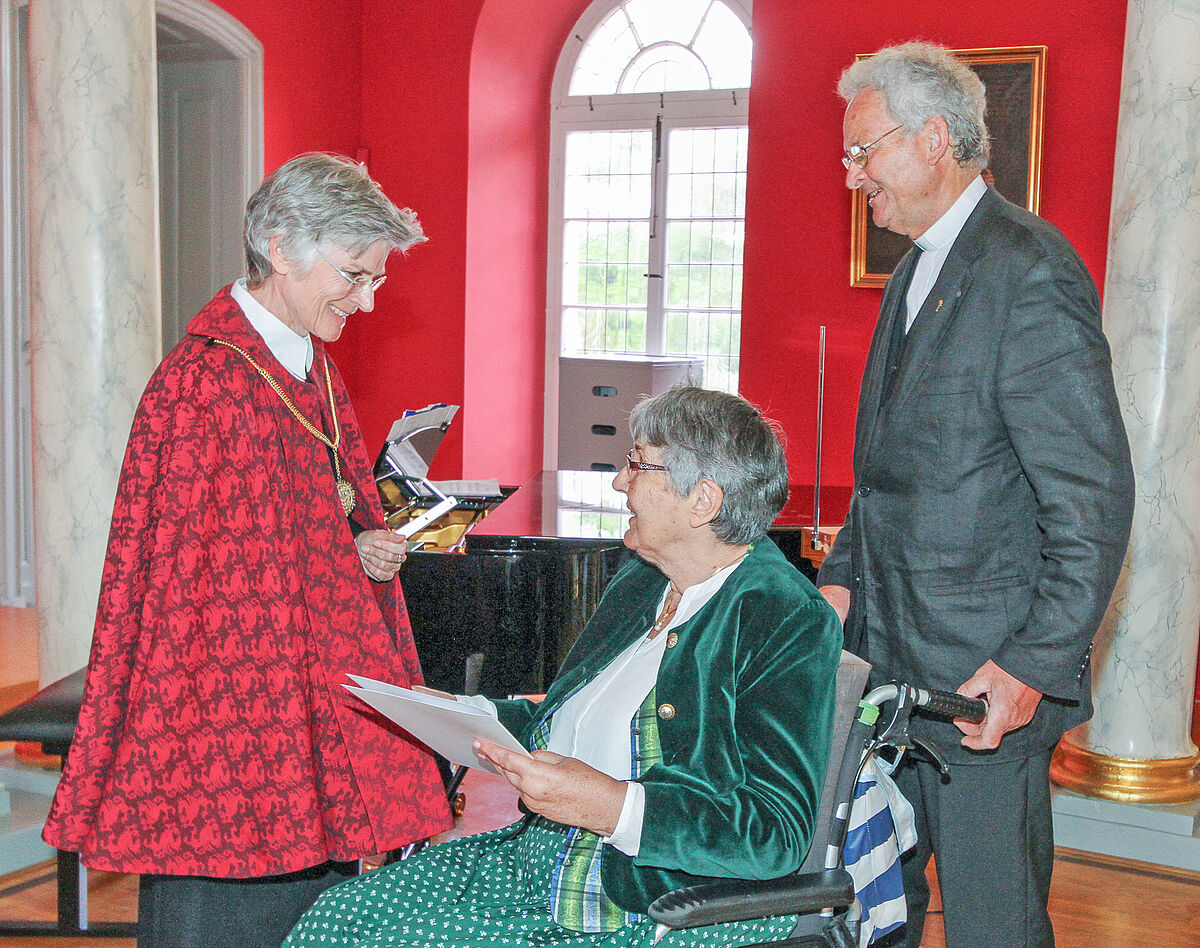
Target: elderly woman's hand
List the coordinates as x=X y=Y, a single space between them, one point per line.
x=381 y=553
x=560 y=788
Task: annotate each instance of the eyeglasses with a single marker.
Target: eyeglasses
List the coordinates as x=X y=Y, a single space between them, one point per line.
x=857 y=155
x=634 y=465
x=364 y=281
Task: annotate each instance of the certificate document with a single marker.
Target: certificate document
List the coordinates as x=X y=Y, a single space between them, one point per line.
x=447 y=727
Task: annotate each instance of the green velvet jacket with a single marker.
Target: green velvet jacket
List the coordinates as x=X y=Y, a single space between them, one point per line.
x=745 y=699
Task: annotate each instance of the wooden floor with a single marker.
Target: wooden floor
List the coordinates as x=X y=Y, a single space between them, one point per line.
x=1102 y=902
x=1096 y=901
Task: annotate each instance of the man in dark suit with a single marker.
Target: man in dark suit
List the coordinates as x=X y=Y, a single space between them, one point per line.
x=993 y=489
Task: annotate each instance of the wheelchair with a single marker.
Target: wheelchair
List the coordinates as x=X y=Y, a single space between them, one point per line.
x=822 y=891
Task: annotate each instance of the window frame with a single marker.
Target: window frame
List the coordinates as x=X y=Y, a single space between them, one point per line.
x=718 y=108
x=16 y=466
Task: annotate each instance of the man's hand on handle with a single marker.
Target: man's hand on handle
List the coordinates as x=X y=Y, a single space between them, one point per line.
x=1011 y=704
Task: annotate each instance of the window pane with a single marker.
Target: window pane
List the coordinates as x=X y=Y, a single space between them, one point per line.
x=725 y=47
x=702 y=143
x=724 y=198
x=721 y=287
x=606 y=241
x=604 y=57
x=589 y=507
x=701 y=247
x=658 y=20
x=713 y=337
x=679 y=242
x=608 y=174
x=603 y=330
x=604 y=262
x=664 y=46
x=726 y=241
x=677 y=340
x=705 y=234
x=665 y=69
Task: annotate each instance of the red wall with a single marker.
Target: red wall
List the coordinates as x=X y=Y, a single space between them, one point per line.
x=451 y=99
x=409 y=352
x=312 y=73
x=456 y=118
x=517 y=44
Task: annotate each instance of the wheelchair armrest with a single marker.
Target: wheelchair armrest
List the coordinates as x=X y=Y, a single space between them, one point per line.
x=738 y=900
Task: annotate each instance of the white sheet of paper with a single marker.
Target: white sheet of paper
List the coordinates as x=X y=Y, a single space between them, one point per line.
x=487 y=487
x=448 y=727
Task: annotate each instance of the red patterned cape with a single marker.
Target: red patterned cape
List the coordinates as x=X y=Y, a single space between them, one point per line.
x=215 y=737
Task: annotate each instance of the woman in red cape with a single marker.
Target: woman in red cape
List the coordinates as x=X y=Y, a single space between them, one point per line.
x=248 y=570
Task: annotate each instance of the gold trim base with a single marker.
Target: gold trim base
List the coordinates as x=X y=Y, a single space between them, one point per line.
x=1126 y=779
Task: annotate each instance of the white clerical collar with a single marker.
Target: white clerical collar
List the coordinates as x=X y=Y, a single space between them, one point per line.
x=946 y=228
x=294 y=352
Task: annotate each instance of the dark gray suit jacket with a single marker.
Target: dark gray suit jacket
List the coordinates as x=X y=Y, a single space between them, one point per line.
x=993 y=489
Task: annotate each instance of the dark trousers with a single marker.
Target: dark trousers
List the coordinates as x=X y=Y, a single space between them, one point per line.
x=989 y=829
x=199 y=912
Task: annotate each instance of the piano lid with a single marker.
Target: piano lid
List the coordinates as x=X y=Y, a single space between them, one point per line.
x=413 y=441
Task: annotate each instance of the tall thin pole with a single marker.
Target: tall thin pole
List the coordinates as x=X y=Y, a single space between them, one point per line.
x=816 y=530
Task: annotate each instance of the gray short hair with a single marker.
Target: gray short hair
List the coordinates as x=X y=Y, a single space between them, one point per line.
x=921 y=80
x=705 y=433
x=319 y=198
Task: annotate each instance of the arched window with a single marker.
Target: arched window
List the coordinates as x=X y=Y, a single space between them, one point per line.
x=656 y=46
x=648 y=185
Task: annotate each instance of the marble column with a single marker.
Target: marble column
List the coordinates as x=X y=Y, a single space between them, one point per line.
x=1137 y=747
x=95 y=308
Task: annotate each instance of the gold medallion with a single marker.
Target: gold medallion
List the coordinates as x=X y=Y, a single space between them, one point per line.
x=346 y=495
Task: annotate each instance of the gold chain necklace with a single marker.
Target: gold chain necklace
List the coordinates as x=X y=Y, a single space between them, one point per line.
x=345 y=491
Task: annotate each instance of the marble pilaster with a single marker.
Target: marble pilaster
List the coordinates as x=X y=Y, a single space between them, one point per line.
x=95 y=309
x=1137 y=747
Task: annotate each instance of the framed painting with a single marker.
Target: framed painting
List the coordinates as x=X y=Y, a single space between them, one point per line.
x=1015 y=78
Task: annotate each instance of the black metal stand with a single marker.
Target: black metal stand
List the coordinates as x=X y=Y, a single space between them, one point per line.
x=48 y=718
x=72 y=910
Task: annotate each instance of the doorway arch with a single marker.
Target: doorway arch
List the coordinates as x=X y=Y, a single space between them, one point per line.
x=210 y=75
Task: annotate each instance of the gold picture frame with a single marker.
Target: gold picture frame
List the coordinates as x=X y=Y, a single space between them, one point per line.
x=1015 y=78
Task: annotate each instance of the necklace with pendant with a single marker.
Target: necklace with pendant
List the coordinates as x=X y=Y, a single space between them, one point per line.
x=344 y=489
x=669 y=606
x=667 y=614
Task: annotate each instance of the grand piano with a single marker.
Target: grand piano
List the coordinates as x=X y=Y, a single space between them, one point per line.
x=532 y=573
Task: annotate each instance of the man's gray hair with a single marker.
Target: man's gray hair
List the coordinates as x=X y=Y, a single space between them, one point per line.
x=921 y=80
x=320 y=199
x=722 y=437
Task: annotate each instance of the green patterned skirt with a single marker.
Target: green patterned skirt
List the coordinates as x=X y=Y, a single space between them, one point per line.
x=490 y=891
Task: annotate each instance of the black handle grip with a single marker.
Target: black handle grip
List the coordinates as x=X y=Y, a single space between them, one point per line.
x=951 y=705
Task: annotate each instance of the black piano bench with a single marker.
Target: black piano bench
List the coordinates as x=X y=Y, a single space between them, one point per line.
x=49 y=718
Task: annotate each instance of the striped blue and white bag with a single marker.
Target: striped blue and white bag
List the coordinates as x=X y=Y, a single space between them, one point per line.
x=881 y=828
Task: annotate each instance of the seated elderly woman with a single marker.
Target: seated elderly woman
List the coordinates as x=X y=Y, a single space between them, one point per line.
x=684 y=739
